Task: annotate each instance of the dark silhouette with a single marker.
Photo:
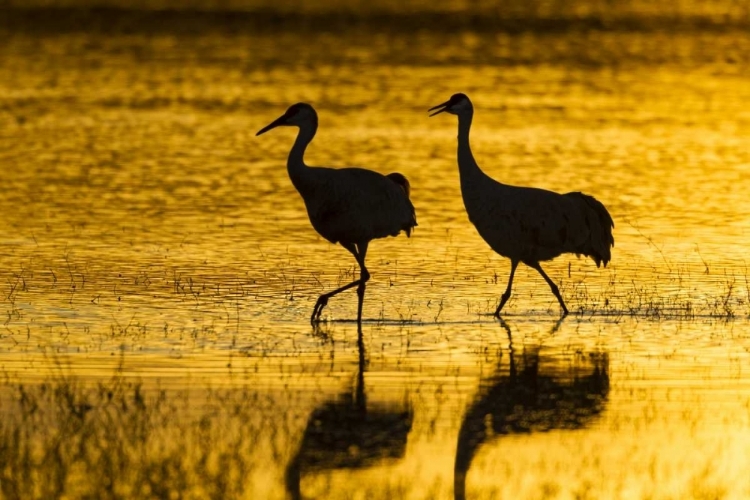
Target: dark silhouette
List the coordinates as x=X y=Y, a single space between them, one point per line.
x=350 y=206
x=526 y=224
x=532 y=396
x=347 y=433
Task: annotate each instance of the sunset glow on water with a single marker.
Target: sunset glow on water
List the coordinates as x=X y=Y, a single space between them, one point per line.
x=158 y=268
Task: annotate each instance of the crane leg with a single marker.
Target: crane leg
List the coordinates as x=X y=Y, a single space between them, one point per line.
x=551 y=284
x=359 y=254
x=364 y=277
x=504 y=298
x=323 y=300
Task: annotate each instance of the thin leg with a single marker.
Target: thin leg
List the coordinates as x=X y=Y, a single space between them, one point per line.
x=506 y=295
x=363 y=277
x=323 y=300
x=551 y=284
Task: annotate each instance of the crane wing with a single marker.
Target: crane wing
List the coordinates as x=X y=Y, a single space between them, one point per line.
x=357 y=205
x=531 y=224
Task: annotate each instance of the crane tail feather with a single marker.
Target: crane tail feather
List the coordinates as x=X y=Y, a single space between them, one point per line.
x=403 y=182
x=599 y=221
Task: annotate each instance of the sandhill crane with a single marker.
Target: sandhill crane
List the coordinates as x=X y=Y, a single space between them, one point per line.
x=350 y=206
x=527 y=224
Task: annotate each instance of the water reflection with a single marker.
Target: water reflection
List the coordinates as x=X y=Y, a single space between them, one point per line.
x=535 y=395
x=347 y=433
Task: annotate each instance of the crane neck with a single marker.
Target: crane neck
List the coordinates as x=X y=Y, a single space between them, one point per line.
x=467 y=166
x=296 y=162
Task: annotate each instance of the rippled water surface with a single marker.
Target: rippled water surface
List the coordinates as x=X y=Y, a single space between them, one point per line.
x=158 y=270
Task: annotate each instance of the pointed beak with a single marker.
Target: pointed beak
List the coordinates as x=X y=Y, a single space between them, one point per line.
x=440 y=108
x=278 y=121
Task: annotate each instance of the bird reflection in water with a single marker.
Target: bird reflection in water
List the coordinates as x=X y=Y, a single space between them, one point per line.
x=348 y=433
x=534 y=395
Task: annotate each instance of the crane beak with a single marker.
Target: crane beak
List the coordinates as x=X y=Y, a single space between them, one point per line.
x=440 y=108
x=277 y=122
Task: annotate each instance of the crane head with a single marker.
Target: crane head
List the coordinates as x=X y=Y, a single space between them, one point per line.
x=297 y=115
x=454 y=105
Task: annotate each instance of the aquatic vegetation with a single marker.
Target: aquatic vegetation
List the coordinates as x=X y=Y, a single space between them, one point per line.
x=115 y=438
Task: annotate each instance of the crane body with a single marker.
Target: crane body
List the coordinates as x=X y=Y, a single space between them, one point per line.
x=348 y=206
x=527 y=224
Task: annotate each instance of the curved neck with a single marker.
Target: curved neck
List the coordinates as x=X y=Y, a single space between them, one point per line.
x=296 y=162
x=466 y=163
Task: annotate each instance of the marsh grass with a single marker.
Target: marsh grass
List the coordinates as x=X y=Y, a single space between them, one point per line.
x=675 y=295
x=208 y=302
x=66 y=438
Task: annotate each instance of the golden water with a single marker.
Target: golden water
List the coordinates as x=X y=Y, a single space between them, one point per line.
x=146 y=231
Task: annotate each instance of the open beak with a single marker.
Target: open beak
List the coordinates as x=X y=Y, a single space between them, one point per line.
x=440 y=108
x=278 y=121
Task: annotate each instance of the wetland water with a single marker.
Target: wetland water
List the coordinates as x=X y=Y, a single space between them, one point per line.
x=158 y=270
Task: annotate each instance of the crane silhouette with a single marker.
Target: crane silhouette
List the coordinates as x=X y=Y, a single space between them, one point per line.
x=350 y=206
x=527 y=224
x=349 y=432
x=535 y=393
